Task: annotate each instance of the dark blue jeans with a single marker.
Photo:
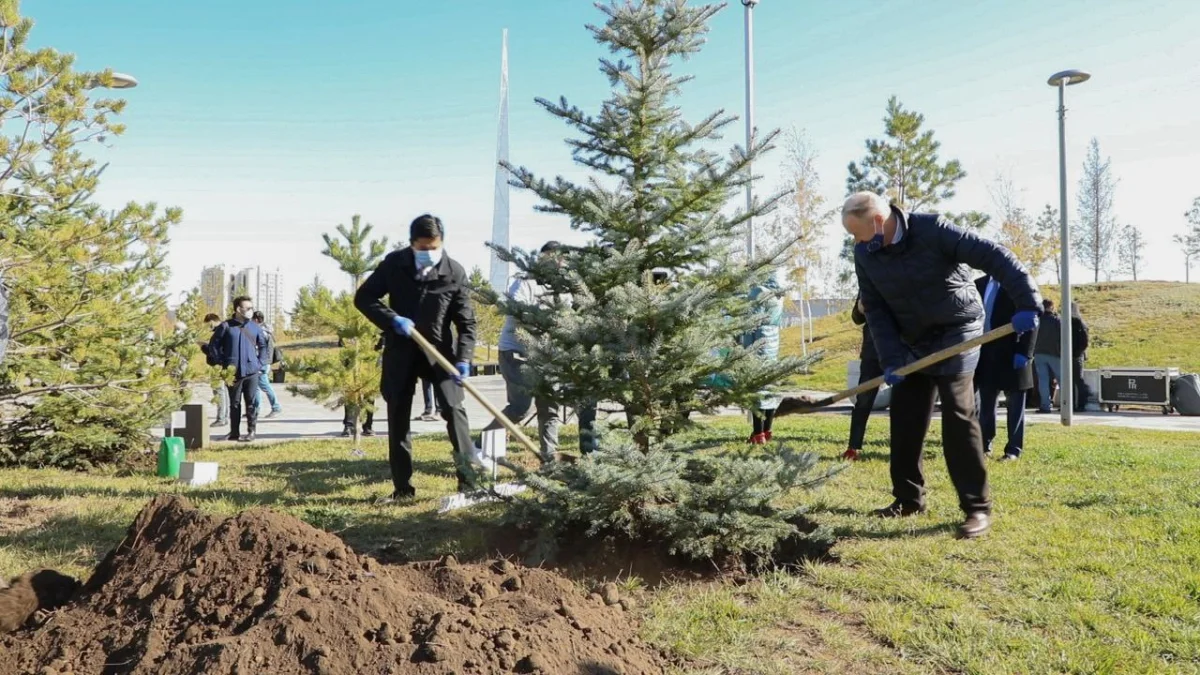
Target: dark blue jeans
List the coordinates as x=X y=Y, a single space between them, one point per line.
x=988 y=400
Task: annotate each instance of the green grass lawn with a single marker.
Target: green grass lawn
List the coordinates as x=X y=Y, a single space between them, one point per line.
x=1143 y=323
x=1093 y=565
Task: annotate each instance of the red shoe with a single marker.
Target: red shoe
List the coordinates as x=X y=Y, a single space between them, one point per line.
x=767 y=435
x=850 y=455
x=758 y=439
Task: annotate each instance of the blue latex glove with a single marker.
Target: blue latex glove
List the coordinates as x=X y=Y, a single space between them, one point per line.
x=464 y=371
x=403 y=325
x=1025 y=321
x=891 y=377
x=1020 y=361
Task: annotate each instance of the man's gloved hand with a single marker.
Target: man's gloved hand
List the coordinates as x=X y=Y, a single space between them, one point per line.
x=464 y=371
x=1025 y=321
x=1020 y=361
x=403 y=325
x=891 y=377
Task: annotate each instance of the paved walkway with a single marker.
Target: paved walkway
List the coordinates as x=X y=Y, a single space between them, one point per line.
x=302 y=418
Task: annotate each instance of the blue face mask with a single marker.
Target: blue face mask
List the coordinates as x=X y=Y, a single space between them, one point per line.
x=428 y=258
x=873 y=245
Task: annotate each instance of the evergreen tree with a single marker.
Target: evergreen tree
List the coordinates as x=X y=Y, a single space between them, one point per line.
x=192 y=310
x=86 y=374
x=307 y=319
x=1131 y=248
x=488 y=320
x=651 y=312
x=905 y=165
x=1050 y=232
x=1095 y=233
x=359 y=254
x=349 y=376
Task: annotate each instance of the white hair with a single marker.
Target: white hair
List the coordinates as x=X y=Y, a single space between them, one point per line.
x=866 y=204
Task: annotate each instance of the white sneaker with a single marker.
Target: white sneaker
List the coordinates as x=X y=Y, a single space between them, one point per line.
x=481 y=460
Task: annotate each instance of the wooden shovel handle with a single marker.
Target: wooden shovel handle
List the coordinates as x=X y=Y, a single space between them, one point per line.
x=466 y=384
x=918 y=365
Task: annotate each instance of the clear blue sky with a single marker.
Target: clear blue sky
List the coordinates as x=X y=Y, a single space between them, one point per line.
x=272 y=122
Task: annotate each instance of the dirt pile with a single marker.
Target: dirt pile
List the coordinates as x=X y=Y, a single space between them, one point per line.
x=186 y=592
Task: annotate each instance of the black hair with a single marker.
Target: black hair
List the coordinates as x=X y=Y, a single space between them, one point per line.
x=240 y=299
x=1047 y=305
x=426 y=227
x=551 y=246
x=259 y=316
x=210 y=317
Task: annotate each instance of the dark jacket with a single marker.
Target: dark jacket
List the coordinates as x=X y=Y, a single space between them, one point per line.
x=919 y=295
x=1049 y=337
x=995 y=368
x=1080 y=337
x=439 y=304
x=241 y=345
x=866 y=352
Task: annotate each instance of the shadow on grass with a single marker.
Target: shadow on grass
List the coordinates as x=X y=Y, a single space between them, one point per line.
x=97 y=532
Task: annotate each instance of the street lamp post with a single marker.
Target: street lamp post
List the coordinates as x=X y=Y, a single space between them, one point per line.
x=749 y=5
x=119 y=81
x=1066 y=385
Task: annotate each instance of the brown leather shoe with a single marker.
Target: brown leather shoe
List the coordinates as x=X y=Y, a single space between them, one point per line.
x=975 y=525
x=898 y=509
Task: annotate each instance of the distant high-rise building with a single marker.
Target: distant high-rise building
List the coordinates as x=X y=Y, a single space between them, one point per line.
x=266 y=289
x=498 y=274
x=215 y=289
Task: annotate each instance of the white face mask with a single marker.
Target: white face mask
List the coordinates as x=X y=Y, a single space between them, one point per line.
x=248 y=314
x=428 y=258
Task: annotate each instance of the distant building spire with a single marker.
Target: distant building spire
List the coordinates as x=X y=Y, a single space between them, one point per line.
x=498 y=275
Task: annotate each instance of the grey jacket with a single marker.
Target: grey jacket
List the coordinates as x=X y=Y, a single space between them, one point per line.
x=920 y=296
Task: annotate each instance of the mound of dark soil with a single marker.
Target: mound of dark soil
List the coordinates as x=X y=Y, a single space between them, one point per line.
x=189 y=593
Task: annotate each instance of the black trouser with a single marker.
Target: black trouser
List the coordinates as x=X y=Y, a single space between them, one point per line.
x=348 y=420
x=962 y=441
x=588 y=442
x=1081 y=389
x=243 y=389
x=762 y=420
x=399 y=396
x=869 y=369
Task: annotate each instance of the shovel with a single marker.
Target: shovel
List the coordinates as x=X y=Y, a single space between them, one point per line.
x=461 y=500
x=799 y=405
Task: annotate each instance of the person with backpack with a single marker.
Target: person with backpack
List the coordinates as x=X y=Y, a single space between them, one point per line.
x=238 y=345
x=221 y=393
x=264 y=378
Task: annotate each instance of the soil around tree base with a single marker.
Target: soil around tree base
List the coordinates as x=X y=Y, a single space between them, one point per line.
x=187 y=592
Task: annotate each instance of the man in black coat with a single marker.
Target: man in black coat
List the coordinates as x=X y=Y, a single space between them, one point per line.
x=868 y=369
x=427 y=292
x=1005 y=365
x=919 y=299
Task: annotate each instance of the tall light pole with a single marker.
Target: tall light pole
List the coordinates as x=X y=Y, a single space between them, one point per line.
x=749 y=5
x=119 y=81
x=1066 y=387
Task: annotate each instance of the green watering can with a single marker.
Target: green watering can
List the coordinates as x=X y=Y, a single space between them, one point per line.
x=171 y=453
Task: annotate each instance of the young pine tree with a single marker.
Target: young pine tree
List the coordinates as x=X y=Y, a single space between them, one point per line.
x=349 y=376
x=86 y=374
x=608 y=328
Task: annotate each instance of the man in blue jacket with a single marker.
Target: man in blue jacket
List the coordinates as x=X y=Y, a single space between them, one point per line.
x=239 y=344
x=920 y=298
